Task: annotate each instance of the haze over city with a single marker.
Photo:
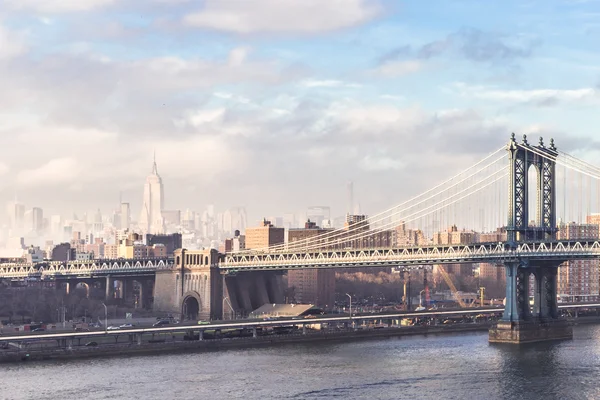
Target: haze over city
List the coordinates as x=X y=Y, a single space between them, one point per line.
x=246 y=186
x=277 y=110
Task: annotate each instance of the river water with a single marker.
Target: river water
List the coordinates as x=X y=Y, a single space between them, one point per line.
x=457 y=366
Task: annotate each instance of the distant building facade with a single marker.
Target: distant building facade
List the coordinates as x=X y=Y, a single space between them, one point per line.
x=263 y=236
x=311 y=286
x=579 y=279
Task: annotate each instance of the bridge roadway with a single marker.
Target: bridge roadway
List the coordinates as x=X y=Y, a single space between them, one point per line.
x=270 y=323
x=85 y=269
x=231 y=263
x=497 y=252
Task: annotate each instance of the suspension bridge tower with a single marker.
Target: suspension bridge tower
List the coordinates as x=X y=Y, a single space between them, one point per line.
x=522 y=323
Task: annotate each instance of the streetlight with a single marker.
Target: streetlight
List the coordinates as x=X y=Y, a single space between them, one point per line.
x=350 y=297
x=105 y=317
x=229 y=304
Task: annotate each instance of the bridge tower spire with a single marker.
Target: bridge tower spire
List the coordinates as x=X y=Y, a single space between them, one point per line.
x=520 y=323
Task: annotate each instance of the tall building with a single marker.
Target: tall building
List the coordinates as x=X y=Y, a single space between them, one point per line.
x=578 y=280
x=16 y=216
x=125 y=219
x=318 y=214
x=151 y=219
x=265 y=235
x=350 y=188
x=311 y=286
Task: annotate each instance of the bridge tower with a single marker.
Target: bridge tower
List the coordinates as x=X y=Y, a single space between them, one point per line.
x=521 y=324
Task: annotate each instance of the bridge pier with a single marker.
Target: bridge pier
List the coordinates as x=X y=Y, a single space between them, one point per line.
x=110 y=288
x=519 y=324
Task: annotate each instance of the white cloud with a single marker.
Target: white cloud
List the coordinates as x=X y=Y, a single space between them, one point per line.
x=11 y=44
x=328 y=83
x=57 y=6
x=535 y=96
x=394 y=69
x=300 y=16
x=380 y=163
x=54 y=172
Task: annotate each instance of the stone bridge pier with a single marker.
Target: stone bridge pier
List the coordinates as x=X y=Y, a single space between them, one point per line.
x=247 y=291
x=193 y=288
x=530 y=320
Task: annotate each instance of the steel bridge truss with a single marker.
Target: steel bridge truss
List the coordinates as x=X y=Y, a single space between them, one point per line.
x=522 y=156
x=524 y=254
x=49 y=270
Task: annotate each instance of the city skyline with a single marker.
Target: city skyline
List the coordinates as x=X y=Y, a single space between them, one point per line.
x=386 y=96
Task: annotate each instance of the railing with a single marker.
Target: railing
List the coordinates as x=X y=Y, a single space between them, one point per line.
x=78 y=268
x=493 y=253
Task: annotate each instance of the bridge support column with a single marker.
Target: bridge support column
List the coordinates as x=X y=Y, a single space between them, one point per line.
x=518 y=324
x=254 y=333
x=110 y=288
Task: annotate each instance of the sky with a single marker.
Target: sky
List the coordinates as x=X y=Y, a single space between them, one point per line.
x=276 y=104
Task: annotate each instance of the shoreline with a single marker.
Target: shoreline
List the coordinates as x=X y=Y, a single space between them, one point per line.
x=197 y=346
x=208 y=345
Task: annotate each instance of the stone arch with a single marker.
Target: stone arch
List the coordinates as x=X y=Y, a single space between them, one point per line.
x=83 y=286
x=191 y=306
x=206 y=260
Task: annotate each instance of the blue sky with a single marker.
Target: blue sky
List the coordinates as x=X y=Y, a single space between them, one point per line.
x=276 y=104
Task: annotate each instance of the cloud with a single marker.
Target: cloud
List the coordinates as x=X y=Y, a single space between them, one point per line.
x=55 y=172
x=537 y=97
x=380 y=163
x=470 y=44
x=117 y=91
x=57 y=6
x=394 y=69
x=283 y=16
x=4 y=169
x=328 y=83
x=11 y=44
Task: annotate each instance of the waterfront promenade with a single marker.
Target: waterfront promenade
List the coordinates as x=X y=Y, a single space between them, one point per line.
x=250 y=333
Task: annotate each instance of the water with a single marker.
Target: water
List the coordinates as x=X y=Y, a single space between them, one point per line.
x=448 y=366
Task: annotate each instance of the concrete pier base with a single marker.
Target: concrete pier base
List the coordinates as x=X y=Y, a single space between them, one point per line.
x=530 y=331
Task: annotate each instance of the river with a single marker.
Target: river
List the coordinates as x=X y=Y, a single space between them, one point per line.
x=457 y=366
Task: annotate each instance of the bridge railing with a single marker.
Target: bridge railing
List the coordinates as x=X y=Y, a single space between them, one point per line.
x=84 y=268
x=496 y=253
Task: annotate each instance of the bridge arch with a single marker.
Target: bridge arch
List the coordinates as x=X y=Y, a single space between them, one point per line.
x=191 y=305
x=83 y=286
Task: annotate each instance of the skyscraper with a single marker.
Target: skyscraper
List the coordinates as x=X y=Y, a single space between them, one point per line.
x=16 y=216
x=151 y=220
x=350 y=188
x=125 y=216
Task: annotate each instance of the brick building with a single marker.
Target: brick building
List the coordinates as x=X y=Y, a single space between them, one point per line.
x=311 y=286
x=264 y=235
x=579 y=280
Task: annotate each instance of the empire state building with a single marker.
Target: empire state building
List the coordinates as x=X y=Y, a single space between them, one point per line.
x=151 y=219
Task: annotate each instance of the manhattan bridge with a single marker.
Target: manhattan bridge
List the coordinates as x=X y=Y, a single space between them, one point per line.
x=521 y=187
